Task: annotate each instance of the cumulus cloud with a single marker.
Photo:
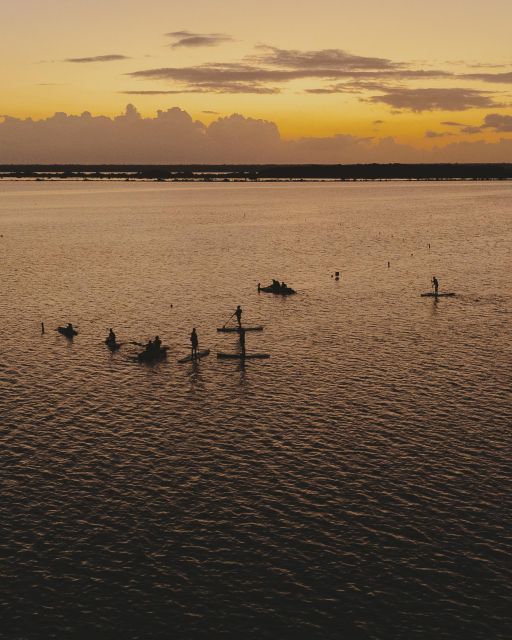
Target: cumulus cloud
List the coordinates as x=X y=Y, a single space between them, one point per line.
x=111 y=57
x=190 y=39
x=452 y=99
x=174 y=137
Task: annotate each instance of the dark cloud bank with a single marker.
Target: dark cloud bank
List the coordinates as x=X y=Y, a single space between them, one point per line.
x=174 y=137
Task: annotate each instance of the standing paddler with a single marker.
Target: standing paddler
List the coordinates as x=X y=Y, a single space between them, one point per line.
x=435 y=284
x=238 y=314
x=194 y=342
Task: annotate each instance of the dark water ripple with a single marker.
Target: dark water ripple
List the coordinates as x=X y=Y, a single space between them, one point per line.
x=355 y=485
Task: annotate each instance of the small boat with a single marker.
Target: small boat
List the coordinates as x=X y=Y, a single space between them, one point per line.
x=66 y=331
x=431 y=294
x=153 y=356
x=199 y=354
x=278 y=291
x=113 y=346
x=240 y=356
x=257 y=327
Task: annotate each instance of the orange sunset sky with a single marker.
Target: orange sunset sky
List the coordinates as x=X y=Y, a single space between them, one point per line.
x=323 y=81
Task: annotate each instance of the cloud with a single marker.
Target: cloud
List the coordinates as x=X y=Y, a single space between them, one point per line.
x=174 y=137
x=470 y=129
x=189 y=39
x=273 y=66
x=453 y=99
x=498 y=122
x=437 y=134
x=497 y=78
x=112 y=57
x=158 y=93
x=354 y=86
x=333 y=59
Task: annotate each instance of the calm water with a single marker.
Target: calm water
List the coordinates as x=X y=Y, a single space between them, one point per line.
x=355 y=485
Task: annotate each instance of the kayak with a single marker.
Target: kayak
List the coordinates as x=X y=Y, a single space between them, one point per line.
x=153 y=356
x=257 y=327
x=200 y=354
x=66 y=332
x=247 y=356
x=437 y=295
x=278 y=291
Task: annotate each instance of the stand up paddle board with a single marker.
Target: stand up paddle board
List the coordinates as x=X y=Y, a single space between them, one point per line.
x=257 y=327
x=239 y=356
x=199 y=354
x=437 y=295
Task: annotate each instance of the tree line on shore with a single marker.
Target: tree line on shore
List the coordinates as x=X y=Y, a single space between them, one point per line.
x=207 y=173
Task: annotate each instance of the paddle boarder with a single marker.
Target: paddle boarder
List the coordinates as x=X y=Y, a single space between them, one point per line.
x=194 y=342
x=435 y=284
x=238 y=314
x=241 y=336
x=111 y=339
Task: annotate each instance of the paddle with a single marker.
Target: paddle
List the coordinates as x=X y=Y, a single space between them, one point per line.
x=224 y=325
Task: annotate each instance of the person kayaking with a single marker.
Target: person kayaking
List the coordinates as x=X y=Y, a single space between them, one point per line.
x=111 y=339
x=435 y=284
x=238 y=314
x=194 y=342
x=69 y=328
x=241 y=337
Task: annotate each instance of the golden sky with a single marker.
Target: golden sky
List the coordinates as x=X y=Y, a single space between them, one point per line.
x=426 y=74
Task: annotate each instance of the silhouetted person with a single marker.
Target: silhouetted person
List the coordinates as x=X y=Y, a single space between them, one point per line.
x=194 y=342
x=69 y=328
x=435 y=284
x=238 y=314
x=157 y=343
x=241 y=336
x=149 y=346
x=111 y=336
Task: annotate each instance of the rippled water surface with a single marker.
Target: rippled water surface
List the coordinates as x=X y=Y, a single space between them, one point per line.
x=355 y=485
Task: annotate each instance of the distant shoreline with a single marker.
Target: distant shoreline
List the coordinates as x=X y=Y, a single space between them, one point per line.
x=259 y=173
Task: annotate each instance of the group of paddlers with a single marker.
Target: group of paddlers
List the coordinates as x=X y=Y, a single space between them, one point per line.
x=276 y=286
x=154 y=347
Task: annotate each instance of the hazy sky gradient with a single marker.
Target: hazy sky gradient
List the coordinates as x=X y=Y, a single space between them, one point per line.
x=315 y=69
